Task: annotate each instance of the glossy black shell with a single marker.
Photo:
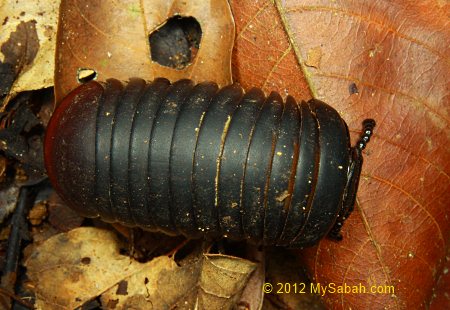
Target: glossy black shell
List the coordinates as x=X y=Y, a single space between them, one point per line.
x=198 y=160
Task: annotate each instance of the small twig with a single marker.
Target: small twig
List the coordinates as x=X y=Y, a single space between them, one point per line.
x=18 y=232
x=16 y=298
x=18 y=223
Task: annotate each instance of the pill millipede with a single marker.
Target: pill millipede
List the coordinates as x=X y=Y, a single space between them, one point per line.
x=204 y=161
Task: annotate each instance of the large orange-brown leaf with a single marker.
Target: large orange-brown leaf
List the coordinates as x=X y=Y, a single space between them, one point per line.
x=387 y=60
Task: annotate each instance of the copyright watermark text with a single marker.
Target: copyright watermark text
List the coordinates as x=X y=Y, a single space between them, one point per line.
x=330 y=288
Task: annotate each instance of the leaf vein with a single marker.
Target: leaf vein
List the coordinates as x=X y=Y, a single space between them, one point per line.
x=397 y=33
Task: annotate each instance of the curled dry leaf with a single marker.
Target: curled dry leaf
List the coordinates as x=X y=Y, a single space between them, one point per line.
x=27 y=44
x=86 y=263
x=113 y=40
x=222 y=280
x=395 y=55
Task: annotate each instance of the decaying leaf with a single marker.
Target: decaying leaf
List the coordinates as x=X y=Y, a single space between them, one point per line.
x=19 y=52
x=142 y=290
x=222 y=280
x=86 y=263
x=395 y=54
x=209 y=282
x=112 y=40
x=27 y=44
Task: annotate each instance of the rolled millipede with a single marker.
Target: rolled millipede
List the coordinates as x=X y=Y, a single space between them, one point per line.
x=202 y=161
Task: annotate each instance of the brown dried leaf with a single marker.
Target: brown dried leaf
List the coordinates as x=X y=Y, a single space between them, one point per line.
x=141 y=290
x=222 y=280
x=83 y=263
x=387 y=60
x=112 y=39
x=86 y=263
x=27 y=41
x=209 y=282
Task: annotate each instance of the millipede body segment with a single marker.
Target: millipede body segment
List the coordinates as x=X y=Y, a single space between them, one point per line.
x=202 y=161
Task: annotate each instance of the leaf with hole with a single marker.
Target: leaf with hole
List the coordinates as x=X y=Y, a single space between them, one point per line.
x=149 y=39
